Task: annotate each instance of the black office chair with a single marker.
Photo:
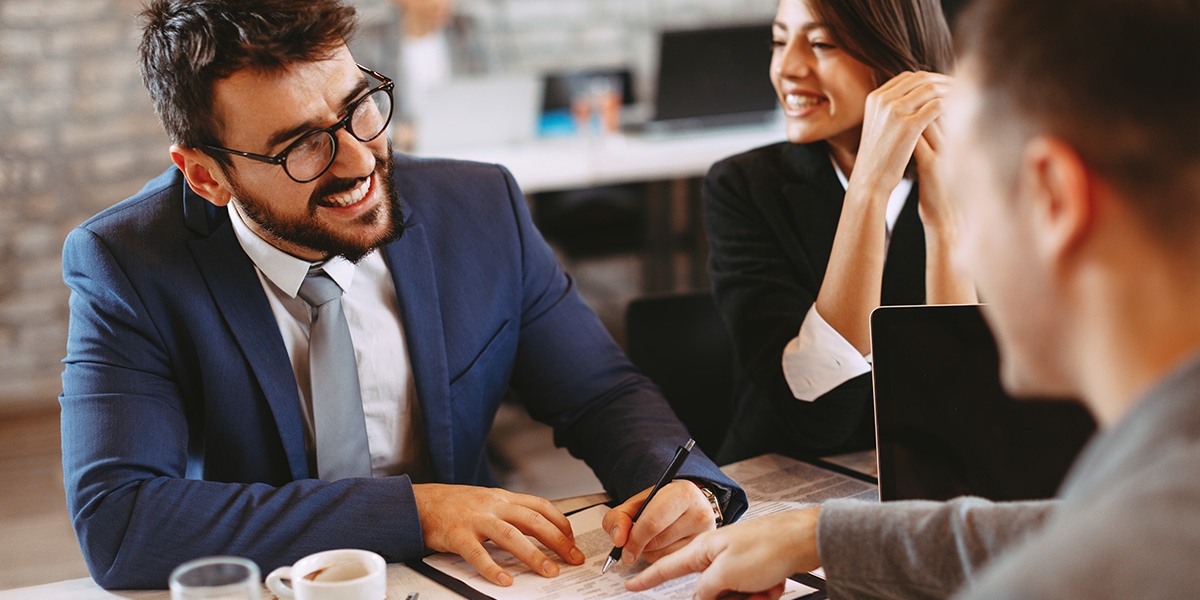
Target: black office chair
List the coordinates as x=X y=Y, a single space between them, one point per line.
x=680 y=343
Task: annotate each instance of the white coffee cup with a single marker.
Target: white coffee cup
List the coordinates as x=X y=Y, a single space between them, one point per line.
x=332 y=575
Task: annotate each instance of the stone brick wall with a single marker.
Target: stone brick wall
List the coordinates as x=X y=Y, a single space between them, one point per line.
x=77 y=132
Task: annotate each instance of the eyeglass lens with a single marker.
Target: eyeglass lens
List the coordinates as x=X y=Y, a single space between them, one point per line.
x=313 y=154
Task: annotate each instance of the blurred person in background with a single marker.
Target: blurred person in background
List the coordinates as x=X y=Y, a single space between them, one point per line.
x=437 y=43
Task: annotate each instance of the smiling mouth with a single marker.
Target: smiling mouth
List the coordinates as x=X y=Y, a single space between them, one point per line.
x=349 y=197
x=802 y=101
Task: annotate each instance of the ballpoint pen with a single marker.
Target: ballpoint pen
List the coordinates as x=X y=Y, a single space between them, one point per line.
x=680 y=455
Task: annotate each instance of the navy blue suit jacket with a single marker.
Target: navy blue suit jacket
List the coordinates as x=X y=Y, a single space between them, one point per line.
x=181 y=422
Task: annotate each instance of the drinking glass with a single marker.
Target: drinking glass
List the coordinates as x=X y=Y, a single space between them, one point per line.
x=216 y=578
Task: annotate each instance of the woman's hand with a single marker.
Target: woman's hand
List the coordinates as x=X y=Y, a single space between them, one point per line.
x=896 y=117
x=943 y=283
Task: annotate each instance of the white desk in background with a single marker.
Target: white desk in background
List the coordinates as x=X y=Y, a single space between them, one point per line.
x=667 y=161
x=553 y=164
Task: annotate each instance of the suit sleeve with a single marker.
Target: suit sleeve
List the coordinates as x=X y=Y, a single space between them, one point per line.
x=764 y=284
x=136 y=509
x=918 y=549
x=574 y=377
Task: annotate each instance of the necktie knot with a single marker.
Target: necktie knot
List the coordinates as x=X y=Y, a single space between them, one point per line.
x=318 y=288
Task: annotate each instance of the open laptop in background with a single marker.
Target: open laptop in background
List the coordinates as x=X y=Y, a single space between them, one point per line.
x=944 y=425
x=713 y=78
x=477 y=111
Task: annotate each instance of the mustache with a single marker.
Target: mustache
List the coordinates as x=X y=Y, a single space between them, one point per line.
x=331 y=187
x=338 y=185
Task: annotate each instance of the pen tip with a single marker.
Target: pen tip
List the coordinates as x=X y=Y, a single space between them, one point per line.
x=608 y=563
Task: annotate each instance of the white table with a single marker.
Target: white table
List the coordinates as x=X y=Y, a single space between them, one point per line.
x=751 y=473
x=668 y=161
x=553 y=164
x=401 y=579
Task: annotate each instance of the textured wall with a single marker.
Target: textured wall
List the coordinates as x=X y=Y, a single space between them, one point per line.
x=77 y=132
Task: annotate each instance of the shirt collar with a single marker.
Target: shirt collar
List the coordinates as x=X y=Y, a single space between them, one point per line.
x=283 y=270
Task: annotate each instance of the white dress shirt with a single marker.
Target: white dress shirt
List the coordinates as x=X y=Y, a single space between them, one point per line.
x=819 y=359
x=395 y=433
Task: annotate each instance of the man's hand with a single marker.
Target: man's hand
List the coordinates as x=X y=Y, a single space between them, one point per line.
x=678 y=513
x=459 y=518
x=752 y=557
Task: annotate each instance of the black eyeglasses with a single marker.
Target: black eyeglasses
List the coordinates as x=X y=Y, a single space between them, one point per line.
x=310 y=156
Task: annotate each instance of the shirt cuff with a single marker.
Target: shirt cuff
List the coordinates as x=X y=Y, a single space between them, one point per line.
x=820 y=359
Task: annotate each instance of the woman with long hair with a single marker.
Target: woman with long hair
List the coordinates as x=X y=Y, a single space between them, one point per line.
x=810 y=235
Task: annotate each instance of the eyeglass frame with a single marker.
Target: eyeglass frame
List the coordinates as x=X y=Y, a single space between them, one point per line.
x=281 y=159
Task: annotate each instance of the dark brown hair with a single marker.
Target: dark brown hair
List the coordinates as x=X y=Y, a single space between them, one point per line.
x=890 y=36
x=1118 y=80
x=187 y=45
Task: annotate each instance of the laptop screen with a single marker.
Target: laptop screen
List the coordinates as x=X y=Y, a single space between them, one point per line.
x=714 y=74
x=944 y=425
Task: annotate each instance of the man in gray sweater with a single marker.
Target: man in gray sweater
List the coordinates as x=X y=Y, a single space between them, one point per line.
x=1071 y=144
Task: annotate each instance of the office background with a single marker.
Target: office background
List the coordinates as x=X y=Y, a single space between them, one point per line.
x=77 y=132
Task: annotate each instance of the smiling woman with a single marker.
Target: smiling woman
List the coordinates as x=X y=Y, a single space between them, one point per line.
x=809 y=236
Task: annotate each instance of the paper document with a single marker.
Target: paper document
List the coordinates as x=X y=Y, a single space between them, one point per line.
x=583 y=582
x=776 y=478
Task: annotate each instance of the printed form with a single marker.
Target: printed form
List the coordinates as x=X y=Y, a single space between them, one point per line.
x=585 y=581
x=773 y=483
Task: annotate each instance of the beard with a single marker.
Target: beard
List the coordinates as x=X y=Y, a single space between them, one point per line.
x=309 y=233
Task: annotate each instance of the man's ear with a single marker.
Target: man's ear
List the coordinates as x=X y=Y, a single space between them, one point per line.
x=202 y=174
x=1059 y=190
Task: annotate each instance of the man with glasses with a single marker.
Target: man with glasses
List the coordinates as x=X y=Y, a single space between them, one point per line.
x=295 y=340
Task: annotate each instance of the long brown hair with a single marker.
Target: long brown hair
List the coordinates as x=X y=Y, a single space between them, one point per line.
x=890 y=36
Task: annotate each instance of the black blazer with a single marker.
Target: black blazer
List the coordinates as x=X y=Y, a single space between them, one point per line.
x=771 y=215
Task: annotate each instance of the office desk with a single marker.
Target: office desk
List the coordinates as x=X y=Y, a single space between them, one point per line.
x=666 y=161
x=553 y=164
x=766 y=479
x=401 y=579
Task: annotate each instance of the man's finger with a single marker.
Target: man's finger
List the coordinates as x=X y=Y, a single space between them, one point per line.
x=618 y=521
x=547 y=510
x=477 y=556
x=654 y=555
x=509 y=537
x=691 y=559
x=678 y=511
x=533 y=523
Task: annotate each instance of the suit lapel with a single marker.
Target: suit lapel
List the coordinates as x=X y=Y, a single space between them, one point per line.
x=235 y=287
x=813 y=197
x=412 y=267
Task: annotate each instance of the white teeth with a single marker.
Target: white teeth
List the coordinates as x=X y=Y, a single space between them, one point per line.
x=802 y=101
x=350 y=197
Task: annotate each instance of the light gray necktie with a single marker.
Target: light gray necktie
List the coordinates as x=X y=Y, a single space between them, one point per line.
x=341 y=430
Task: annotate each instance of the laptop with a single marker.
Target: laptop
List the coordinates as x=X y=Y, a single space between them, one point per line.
x=944 y=425
x=478 y=111
x=714 y=77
